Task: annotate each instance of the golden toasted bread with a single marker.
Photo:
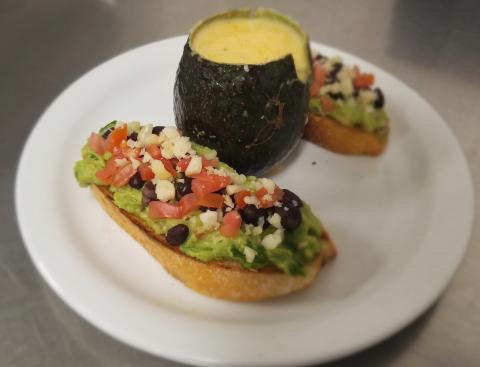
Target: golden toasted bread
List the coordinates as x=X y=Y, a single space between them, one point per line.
x=226 y=280
x=334 y=136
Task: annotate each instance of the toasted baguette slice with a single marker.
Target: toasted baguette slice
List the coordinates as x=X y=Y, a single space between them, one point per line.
x=226 y=280
x=338 y=138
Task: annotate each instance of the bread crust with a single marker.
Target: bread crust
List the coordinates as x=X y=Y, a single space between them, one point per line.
x=217 y=279
x=334 y=136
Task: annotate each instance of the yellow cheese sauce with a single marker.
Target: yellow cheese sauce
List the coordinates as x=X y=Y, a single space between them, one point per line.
x=251 y=41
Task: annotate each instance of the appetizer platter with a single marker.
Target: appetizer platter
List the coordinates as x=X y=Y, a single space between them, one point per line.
x=227 y=202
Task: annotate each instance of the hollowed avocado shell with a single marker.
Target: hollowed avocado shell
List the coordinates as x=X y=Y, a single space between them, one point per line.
x=253 y=115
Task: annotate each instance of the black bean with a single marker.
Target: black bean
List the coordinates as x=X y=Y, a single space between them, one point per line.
x=148 y=193
x=149 y=190
x=291 y=217
x=183 y=188
x=177 y=235
x=136 y=181
x=133 y=136
x=251 y=214
x=291 y=199
x=380 y=100
x=107 y=133
x=336 y=96
x=157 y=130
x=332 y=76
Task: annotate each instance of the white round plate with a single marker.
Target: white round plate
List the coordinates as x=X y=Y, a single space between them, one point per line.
x=401 y=222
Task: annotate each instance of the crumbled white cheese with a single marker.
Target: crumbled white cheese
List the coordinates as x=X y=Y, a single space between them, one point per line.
x=181 y=146
x=275 y=220
x=150 y=139
x=245 y=67
x=251 y=200
x=268 y=184
x=209 y=219
x=336 y=59
x=227 y=199
x=214 y=171
x=145 y=132
x=346 y=87
x=271 y=241
x=146 y=157
x=135 y=163
x=167 y=149
x=133 y=126
x=170 y=133
x=165 y=190
x=194 y=166
x=335 y=88
x=159 y=170
x=181 y=180
x=219 y=215
x=250 y=254
x=257 y=230
x=248 y=229
x=236 y=178
x=233 y=189
x=367 y=97
x=120 y=162
x=131 y=143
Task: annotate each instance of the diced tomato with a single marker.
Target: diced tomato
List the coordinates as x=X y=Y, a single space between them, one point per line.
x=159 y=210
x=209 y=162
x=239 y=198
x=211 y=201
x=265 y=202
x=97 y=143
x=129 y=152
x=168 y=166
x=327 y=104
x=123 y=175
x=183 y=164
x=320 y=74
x=146 y=172
x=314 y=89
x=116 y=137
x=189 y=203
x=107 y=173
x=363 y=80
x=231 y=224
x=319 y=77
x=205 y=183
x=154 y=151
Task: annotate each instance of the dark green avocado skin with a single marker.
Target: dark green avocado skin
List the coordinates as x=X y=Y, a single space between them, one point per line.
x=252 y=115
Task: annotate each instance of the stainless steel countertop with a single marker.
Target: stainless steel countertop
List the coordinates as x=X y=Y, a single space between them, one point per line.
x=45 y=45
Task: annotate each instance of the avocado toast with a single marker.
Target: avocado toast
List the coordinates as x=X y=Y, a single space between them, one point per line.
x=223 y=234
x=347 y=114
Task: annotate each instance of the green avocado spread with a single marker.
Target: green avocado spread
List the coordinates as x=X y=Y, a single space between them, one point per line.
x=354 y=114
x=299 y=246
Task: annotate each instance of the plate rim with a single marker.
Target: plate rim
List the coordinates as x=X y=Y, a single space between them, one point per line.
x=111 y=331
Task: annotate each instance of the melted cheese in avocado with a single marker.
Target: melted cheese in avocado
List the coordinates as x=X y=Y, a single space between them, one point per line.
x=251 y=41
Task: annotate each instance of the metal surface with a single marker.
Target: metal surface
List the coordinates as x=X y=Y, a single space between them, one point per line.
x=45 y=45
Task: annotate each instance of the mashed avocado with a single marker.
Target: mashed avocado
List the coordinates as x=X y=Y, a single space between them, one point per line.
x=299 y=247
x=354 y=114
